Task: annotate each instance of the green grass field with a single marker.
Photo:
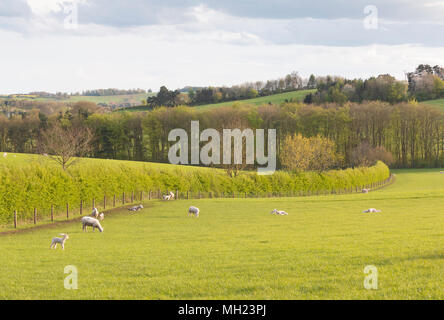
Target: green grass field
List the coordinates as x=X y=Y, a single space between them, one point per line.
x=438 y=103
x=274 y=99
x=134 y=99
x=237 y=250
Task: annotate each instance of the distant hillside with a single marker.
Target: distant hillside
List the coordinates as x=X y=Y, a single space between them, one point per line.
x=438 y=103
x=294 y=96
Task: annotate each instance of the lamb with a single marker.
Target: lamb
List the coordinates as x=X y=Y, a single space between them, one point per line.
x=169 y=196
x=371 y=210
x=365 y=190
x=277 y=212
x=56 y=241
x=95 y=213
x=193 y=211
x=91 y=222
x=136 y=208
x=102 y=216
x=4 y=155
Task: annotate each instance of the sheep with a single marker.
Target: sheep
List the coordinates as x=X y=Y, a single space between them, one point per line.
x=365 y=190
x=193 y=211
x=95 y=213
x=277 y=212
x=102 y=216
x=4 y=155
x=166 y=197
x=56 y=241
x=169 y=196
x=136 y=208
x=441 y=172
x=372 y=210
x=91 y=222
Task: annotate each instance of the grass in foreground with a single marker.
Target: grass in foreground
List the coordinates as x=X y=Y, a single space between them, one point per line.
x=237 y=250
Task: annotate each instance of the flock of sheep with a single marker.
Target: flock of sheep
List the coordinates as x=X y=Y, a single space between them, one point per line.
x=93 y=219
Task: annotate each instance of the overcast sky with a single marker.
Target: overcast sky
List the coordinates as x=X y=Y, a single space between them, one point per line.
x=146 y=43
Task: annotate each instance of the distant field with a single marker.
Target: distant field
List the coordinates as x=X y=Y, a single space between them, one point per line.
x=275 y=99
x=438 y=103
x=134 y=99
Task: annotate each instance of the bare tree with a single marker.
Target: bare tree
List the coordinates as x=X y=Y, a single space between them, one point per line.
x=65 y=145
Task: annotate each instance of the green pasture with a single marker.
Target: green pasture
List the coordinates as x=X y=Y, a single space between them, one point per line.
x=237 y=250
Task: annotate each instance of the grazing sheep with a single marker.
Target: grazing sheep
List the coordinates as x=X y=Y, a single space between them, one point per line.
x=281 y=213
x=166 y=197
x=136 y=208
x=102 y=216
x=95 y=213
x=169 y=196
x=56 y=241
x=193 y=211
x=441 y=172
x=365 y=190
x=371 y=210
x=91 y=222
x=4 y=155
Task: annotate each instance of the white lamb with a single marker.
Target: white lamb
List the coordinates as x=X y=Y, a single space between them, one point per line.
x=136 y=208
x=169 y=196
x=371 y=210
x=102 y=216
x=4 y=155
x=365 y=190
x=95 y=213
x=56 y=241
x=281 y=213
x=193 y=211
x=91 y=222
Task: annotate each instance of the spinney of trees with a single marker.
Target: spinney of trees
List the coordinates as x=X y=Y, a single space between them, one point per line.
x=413 y=134
x=425 y=83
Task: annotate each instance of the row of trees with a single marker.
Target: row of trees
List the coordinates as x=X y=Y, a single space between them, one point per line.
x=249 y=90
x=425 y=83
x=111 y=92
x=413 y=135
x=340 y=90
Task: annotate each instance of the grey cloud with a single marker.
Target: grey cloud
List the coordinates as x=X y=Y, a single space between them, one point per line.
x=14 y=8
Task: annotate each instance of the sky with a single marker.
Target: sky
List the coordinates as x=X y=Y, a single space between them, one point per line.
x=71 y=46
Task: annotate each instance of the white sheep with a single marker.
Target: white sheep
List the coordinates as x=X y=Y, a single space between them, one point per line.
x=441 y=172
x=365 y=190
x=4 y=155
x=371 y=210
x=193 y=211
x=91 y=222
x=102 y=216
x=169 y=196
x=95 y=213
x=277 y=212
x=136 y=208
x=56 y=241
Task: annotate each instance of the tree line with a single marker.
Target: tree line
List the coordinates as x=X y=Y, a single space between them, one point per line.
x=248 y=90
x=409 y=134
x=425 y=83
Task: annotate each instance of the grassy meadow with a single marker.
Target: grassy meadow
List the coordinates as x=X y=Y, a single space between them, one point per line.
x=438 y=103
x=237 y=250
